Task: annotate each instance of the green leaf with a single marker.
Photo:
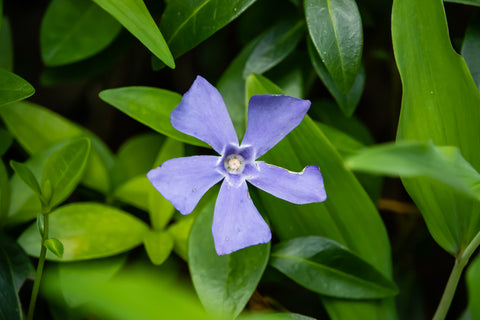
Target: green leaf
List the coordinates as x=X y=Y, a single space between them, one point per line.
x=471 y=47
x=73 y=30
x=150 y=106
x=412 y=159
x=134 y=16
x=473 y=286
x=355 y=223
x=223 y=283
x=4 y=194
x=27 y=176
x=99 y=271
x=135 y=192
x=15 y=267
x=140 y=294
x=158 y=245
x=180 y=231
x=136 y=157
x=6 y=45
x=27 y=122
x=325 y=267
x=160 y=209
x=64 y=169
x=335 y=27
x=13 y=88
x=437 y=86
x=6 y=141
x=187 y=23
x=87 y=231
x=54 y=246
x=347 y=101
x=274 y=46
x=468 y=2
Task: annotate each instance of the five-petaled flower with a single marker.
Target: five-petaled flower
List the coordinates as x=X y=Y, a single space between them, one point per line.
x=183 y=181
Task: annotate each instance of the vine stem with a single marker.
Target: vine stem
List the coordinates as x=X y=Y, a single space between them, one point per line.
x=39 y=272
x=460 y=262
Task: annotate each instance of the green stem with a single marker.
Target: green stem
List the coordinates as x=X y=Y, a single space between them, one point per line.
x=39 y=272
x=460 y=262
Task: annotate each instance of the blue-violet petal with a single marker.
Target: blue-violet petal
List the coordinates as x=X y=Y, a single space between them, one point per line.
x=203 y=115
x=183 y=181
x=271 y=118
x=300 y=188
x=236 y=222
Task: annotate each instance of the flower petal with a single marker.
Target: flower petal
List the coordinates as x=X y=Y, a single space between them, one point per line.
x=203 y=115
x=271 y=118
x=236 y=222
x=183 y=181
x=300 y=188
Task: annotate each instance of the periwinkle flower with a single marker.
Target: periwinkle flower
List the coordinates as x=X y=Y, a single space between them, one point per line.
x=183 y=181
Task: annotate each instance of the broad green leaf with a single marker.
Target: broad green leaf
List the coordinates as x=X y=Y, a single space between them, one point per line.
x=324 y=266
x=54 y=246
x=471 y=47
x=140 y=294
x=15 y=267
x=134 y=16
x=469 y=2
x=27 y=122
x=26 y=175
x=87 y=231
x=158 y=245
x=99 y=271
x=413 y=159
x=6 y=140
x=73 y=30
x=160 y=209
x=223 y=283
x=440 y=103
x=347 y=101
x=13 y=88
x=6 y=45
x=473 y=285
x=335 y=27
x=135 y=192
x=187 y=23
x=355 y=223
x=136 y=156
x=150 y=106
x=4 y=194
x=64 y=169
x=274 y=46
x=180 y=231
x=345 y=144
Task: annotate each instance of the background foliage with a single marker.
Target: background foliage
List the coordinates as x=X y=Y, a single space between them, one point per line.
x=86 y=91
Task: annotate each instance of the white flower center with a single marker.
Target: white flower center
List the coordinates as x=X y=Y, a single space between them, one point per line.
x=234 y=164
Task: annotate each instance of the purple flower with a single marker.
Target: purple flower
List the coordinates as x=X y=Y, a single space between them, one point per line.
x=183 y=181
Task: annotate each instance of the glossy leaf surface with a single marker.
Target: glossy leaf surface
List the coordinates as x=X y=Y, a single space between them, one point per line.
x=64 y=169
x=274 y=46
x=134 y=16
x=55 y=246
x=335 y=27
x=13 y=88
x=73 y=30
x=187 y=23
x=87 y=231
x=354 y=223
x=26 y=175
x=436 y=86
x=324 y=266
x=150 y=106
x=223 y=283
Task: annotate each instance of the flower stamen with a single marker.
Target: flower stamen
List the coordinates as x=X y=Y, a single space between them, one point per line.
x=234 y=164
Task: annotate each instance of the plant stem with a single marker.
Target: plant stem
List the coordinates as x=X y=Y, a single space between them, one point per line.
x=39 y=272
x=460 y=262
